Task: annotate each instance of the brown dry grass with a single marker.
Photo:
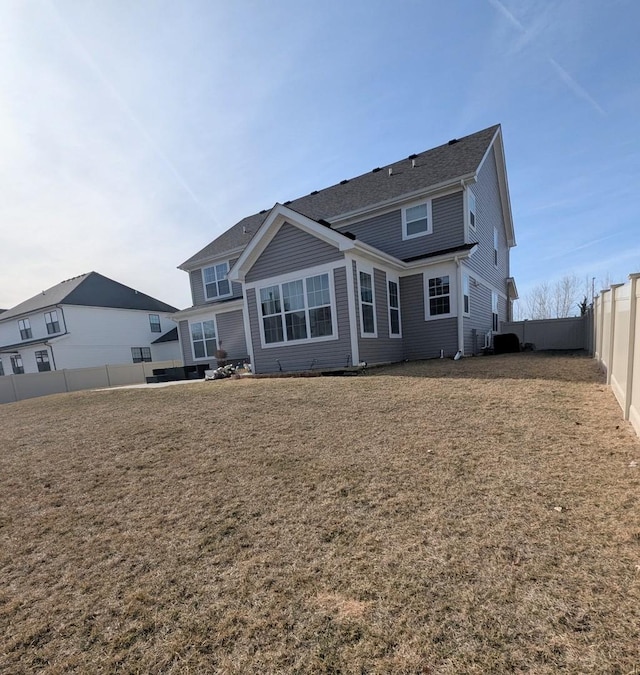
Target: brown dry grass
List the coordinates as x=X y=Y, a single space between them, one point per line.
x=402 y=522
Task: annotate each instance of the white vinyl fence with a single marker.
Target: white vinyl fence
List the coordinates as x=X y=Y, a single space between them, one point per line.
x=571 y=333
x=30 y=385
x=617 y=344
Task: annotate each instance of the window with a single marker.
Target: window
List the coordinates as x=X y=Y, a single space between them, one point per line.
x=466 y=296
x=203 y=338
x=494 y=311
x=416 y=220
x=297 y=310
x=25 y=329
x=42 y=361
x=472 y=209
x=140 y=354
x=16 y=365
x=1 y=368
x=367 y=311
x=495 y=246
x=51 y=319
x=216 y=284
x=154 y=321
x=394 y=308
x=439 y=296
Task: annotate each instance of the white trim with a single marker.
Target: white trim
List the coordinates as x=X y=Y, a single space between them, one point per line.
x=278 y=281
x=466 y=285
x=429 y=230
x=229 y=306
x=367 y=269
x=208 y=260
x=297 y=274
x=193 y=352
x=204 y=283
x=444 y=271
x=417 y=266
x=246 y=320
x=350 y=271
x=396 y=281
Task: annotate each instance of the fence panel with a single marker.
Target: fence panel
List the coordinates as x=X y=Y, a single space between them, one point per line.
x=620 y=342
x=634 y=387
x=570 y=333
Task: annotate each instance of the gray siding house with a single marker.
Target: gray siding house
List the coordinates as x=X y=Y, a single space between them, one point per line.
x=408 y=261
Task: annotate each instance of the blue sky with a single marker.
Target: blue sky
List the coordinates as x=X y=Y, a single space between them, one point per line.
x=133 y=133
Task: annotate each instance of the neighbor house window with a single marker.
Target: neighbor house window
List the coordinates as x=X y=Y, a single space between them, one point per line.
x=154 y=321
x=203 y=338
x=494 y=311
x=416 y=220
x=439 y=296
x=16 y=365
x=297 y=310
x=472 y=209
x=1 y=369
x=466 y=295
x=51 y=319
x=394 y=308
x=42 y=361
x=25 y=329
x=216 y=284
x=495 y=246
x=367 y=311
x=140 y=354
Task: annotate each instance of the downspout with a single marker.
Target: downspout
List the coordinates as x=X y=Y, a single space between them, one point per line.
x=460 y=306
x=53 y=358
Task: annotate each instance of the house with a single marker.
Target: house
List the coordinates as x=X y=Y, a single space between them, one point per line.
x=89 y=320
x=408 y=261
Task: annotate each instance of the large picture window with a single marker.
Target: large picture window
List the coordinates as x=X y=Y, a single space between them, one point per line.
x=51 y=320
x=439 y=296
x=367 y=311
x=297 y=310
x=394 y=309
x=216 y=284
x=203 y=338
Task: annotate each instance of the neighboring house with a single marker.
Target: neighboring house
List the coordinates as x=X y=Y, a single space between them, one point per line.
x=89 y=320
x=408 y=261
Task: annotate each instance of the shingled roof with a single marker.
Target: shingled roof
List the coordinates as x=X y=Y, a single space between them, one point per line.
x=447 y=162
x=91 y=289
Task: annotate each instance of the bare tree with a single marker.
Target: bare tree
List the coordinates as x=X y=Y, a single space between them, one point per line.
x=554 y=300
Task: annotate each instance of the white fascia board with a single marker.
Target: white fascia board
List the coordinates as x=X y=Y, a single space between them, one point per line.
x=417 y=265
x=437 y=190
x=211 y=259
x=512 y=288
x=212 y=308
x=269 y=228
x=376 y=255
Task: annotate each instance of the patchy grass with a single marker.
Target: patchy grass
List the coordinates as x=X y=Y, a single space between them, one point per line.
x=439 y=517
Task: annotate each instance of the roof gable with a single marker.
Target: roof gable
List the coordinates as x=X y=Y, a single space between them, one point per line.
x=446 y=163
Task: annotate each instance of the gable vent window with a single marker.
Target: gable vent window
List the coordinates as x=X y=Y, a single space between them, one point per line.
x=25 y=329
x=216 y=284
x=51 y=320
x=154 y=322
x=416 y=220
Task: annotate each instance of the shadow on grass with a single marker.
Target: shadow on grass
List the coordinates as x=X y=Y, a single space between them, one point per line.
x=563 y=366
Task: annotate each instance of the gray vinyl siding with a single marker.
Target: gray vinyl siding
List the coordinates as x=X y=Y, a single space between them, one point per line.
x=292 y=249
x=385 y=231
x=231 y=335
x=185 y=343
x=481 y=318
x=292 y=356
x=197 y=286
x=488 y=216
x=382 y=349
x=423 y=339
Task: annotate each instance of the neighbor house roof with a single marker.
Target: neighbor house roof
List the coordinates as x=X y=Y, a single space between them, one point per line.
x=169 y=336
x=93 y=290
x=455 y=159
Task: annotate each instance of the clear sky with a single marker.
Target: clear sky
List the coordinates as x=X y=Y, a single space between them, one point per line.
x=133 y=132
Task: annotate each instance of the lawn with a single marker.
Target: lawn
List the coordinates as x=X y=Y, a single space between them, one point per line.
x=478 y=516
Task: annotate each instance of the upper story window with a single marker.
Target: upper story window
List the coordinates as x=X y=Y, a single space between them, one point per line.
x=16 y=365
x=51 y=320
x=472 y=209
x=42 y=361
x=495 y=246
x=416 y=220
x=141 y=354
x=154 y=322
x=367 y=304
x=439 y=296
x=25 y=329
x=301 y=309
x=216 y=284
x=394 y=308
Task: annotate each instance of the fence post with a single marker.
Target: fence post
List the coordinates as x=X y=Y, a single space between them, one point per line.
x=612 y=331
x=13 y=386
x=633 y=308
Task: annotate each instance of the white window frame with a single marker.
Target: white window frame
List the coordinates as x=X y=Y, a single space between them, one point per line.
x=42 y=356
x=495 y=312
x=217 y=339
x=24 y=326
x=394 y=280
x=466 y=294
x=496 y=242
x=289 y=278
x=367 y=270
x=51 y=319
x=15 y=360
x=429 y=230
x=156 y=327
x=452 y=304
x=142 y=358
x=471 y=203
x=217 y=281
